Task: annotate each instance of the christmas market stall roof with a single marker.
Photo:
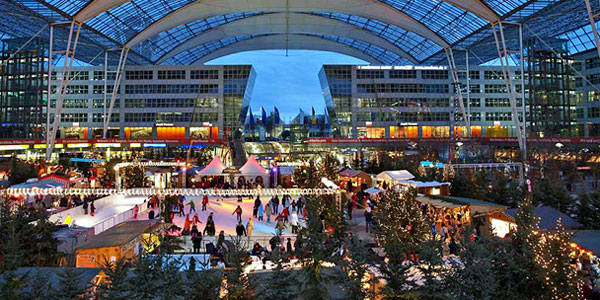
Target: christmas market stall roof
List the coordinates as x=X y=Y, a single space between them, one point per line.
x=52 y=275
x=548 y=217
x=252 y=167
x=120 y=234
x=215 y=168
x=350 y=173
x=395 y=175
x=477 y=206
x=438 y=202
x=587 y=239
x=42 y=184
x=422 y=184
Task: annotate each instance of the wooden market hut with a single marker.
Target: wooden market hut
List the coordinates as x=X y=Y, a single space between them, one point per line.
x=427 y=187
x=123 y=241
x=504 y=221
x=358 y=178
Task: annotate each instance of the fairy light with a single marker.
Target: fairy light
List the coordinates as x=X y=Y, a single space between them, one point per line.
x=172 y=192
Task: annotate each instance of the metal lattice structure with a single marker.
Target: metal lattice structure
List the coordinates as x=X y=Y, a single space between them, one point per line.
x=151 y=29
x=391 y=32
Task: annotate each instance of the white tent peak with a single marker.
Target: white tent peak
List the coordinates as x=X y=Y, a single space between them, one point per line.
x=252 y=167
x=215 y=167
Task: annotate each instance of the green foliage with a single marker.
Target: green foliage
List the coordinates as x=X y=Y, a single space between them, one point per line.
x=237 y=280
x=587 y=210
x=400 y=220
x=69 y=285
x=554 y=194
x=21 y=171
x=281 y=283
x=24 y=242
x=12 y=285
x=462 y=185
x=116 y=286
x=355 y=267
x=133 y=176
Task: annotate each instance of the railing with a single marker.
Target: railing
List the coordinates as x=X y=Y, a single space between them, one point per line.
x=117 y=219
x=246 y=242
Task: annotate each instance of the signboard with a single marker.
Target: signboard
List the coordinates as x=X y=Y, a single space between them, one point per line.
x=87 y=160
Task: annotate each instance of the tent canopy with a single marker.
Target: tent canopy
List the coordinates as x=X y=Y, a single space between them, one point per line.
x=252 y=167
x=215 y=168
x=395 y=175
x=422 y=184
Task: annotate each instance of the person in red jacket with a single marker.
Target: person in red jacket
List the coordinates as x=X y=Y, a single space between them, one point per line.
x=285 y=213
x=204 y=202
x=238 y=211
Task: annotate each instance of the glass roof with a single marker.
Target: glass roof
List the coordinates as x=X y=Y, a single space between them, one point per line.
x=463 y=30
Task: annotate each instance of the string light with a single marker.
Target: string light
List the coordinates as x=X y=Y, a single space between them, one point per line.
x=172 y=192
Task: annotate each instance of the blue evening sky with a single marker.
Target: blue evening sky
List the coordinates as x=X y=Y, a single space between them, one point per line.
x=290 y=82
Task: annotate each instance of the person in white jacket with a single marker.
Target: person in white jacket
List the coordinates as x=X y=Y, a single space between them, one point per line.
x=294 y=222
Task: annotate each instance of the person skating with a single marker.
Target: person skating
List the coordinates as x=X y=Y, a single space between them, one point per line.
x=92 y=208
x=240 y=230
x=186 y=226
x=192 y=207
x=181 y=206
x=275 y=203
x=204 y=202
x=85 y=206
x=249 y=227
x=260 y=213
x=294 y=222
x=196 y=220
x=238 y=212
x=285 y=214
x=289 y=246
x=268 y=212
x=151 y=214
x=257 y=203
x=136 y=210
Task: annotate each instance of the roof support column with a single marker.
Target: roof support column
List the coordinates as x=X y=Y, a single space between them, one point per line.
x=117 y=83
x=458 y=92
x=66 y=74
x=503 y=55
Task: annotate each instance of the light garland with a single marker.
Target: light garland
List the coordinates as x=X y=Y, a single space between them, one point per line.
x=152 y=164
x=172 y=192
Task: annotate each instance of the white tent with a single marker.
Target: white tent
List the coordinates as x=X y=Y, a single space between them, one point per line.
x=394 y=176
x=252 y=167
x=251 y=170
x=215 y=168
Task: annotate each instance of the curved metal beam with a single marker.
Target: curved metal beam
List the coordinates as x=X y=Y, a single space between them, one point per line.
x=96 y=7
x=296 y=42
x=476 y=7
x=203 y=9
x=279 y=23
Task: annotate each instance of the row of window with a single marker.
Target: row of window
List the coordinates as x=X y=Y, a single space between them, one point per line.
x=149 y=74
x=171 y=103
x=171 y=117
x=402 y=88
x=172 y=89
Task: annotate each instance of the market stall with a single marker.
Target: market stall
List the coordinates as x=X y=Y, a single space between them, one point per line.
x=427 y=187
x=212 y=172
x=253 y=173
x=358 y=178
x=391 y=178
